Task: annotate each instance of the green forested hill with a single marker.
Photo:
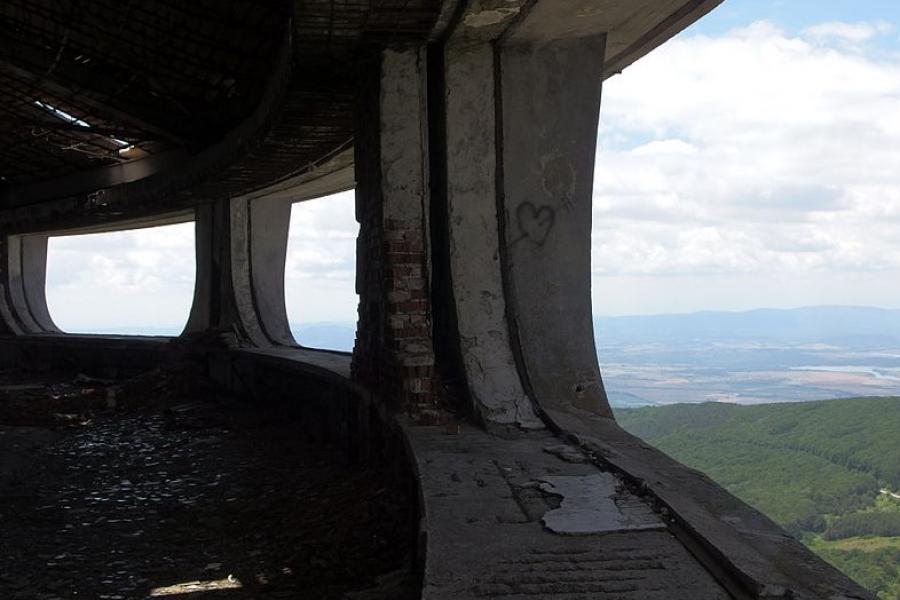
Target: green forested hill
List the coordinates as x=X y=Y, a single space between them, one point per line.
x=817 y=468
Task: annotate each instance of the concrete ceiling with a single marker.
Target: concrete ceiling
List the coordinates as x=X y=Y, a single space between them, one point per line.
x=155 y=106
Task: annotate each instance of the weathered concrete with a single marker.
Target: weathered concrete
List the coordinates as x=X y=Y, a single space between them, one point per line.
x=588 y=506
x=34 y=280
x=519 y=184
x=483 y=505
x=394 y=353
x=96 y=355
x=547 y=185
x=23 y=303
x=498 y=396
x=268 y=238
x=239 y=287
x=15 y=286
x=486 y=501
x=758 y=558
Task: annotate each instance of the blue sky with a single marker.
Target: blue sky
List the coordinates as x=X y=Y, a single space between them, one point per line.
x=750 y=162
x=795 y=15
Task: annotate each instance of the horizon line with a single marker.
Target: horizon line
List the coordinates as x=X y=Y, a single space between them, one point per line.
x=92 y=328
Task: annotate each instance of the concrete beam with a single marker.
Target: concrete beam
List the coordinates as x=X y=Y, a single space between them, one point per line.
x=268 y=229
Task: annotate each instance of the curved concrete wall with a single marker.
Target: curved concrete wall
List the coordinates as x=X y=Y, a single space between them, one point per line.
x=270 y=222
x=490 y=366
x=239 y=290
x=550 y=108
x=240 y=249
x=23 y=303
x=522 y=106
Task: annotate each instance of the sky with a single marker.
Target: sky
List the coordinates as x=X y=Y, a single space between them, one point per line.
x=750 y=162
x=754 y=161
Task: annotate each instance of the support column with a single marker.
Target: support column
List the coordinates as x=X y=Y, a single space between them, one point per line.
x=394 y=354
x=498 y=397
x=522 y=97
x=512 y=118
x=550 y=103
x=23 y=301
x=239 y=289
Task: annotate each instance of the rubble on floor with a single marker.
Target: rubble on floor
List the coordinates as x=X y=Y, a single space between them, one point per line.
x=155 y=488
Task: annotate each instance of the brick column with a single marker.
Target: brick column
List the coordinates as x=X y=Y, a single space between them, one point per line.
x=394 y=354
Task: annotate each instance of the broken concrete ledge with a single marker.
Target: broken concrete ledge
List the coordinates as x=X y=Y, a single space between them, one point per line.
x=754 y=556
x=101 y=355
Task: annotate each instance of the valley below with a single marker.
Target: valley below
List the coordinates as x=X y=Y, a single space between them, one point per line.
x=638 y=376
x=827 y=471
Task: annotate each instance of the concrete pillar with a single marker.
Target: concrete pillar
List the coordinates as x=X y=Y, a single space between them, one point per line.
x=495 y=389
x=239 y=291
x=550 y=108
x=23 y=301
x=270 y=222
x=394 y=353
x=521 y=96
x=474 y=176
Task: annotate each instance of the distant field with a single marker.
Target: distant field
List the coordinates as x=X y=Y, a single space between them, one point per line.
x=865 y=544
x=873 y=561
x=635 y=384
x=817 y=468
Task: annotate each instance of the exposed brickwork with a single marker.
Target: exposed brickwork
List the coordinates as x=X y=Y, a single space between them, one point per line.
x=408 y=323
x=394 y=354
x=393 y=351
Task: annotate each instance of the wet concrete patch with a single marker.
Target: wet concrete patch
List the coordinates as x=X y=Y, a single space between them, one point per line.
x=589 y=505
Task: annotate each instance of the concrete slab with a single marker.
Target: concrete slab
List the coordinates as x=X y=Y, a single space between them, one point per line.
x=484 y=503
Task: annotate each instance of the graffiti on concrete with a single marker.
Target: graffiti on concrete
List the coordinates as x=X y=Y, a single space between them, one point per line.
x=534 y=222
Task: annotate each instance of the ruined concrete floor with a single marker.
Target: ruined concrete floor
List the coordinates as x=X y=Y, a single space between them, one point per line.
x=534 y=518
x=162 y=499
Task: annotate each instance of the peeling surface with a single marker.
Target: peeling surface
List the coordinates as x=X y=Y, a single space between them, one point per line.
x=491 y=372
x=486 y=18
x=483 y=502
x=589 y=506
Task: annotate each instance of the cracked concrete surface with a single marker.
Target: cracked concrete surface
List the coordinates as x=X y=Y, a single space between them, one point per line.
x=484 y=503
x=589 y=506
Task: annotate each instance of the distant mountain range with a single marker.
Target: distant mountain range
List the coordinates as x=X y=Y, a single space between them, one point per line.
x=858 y=327
x=329 y=335
x=845 y=326
x=759 y=356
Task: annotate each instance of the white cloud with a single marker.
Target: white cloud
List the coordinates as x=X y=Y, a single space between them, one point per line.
x=145 y=277
x=320 y=271
x=850 y=32
x=126 y=279
x=753 y=154
x=750 y=169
